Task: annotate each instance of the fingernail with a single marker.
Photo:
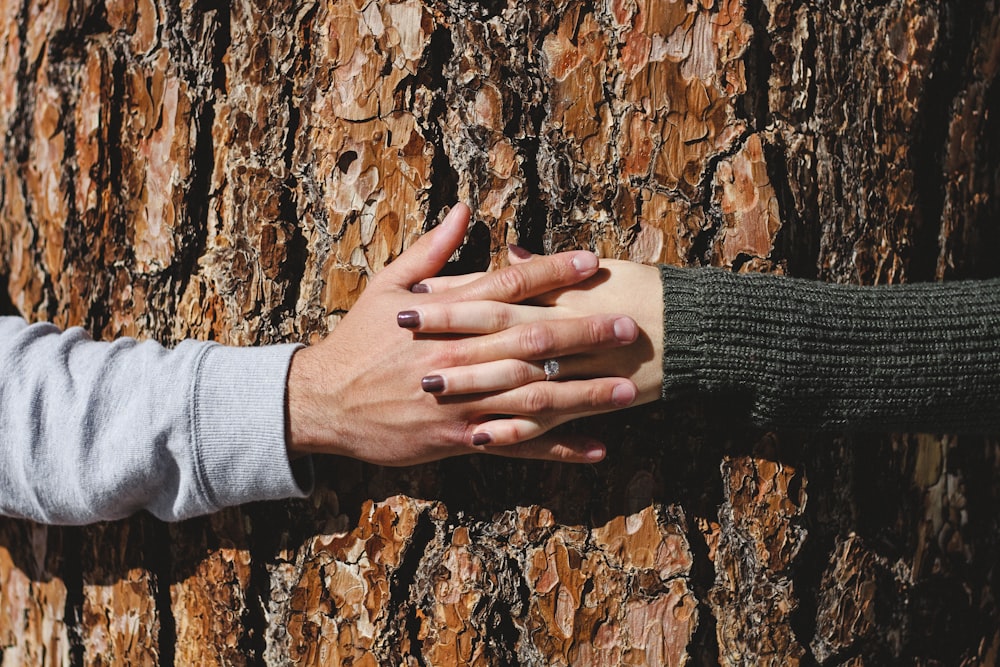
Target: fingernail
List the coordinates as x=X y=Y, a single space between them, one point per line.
x=595 y=454
x=518 y=251
x=410 y=319
x=432 y=384
x=420 y=288
x=480 y=439
x=585 y=261
x=625 y=330
x=623 y=395
x=459 y=210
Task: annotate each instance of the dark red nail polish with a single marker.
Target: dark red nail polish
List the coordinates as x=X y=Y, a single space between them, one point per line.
x=480 y=439
x=408 y=319
x=432 y=384
x=518 y=251
x=420 y=288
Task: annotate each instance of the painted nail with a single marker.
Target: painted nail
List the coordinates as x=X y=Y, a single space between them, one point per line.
x=432 y=384
x=625 y=330
x=480 y=439
x=585 y=261
x=623 y=395
x=420 y=288
x=595 y=453
x=410 y=319
x=518 y=251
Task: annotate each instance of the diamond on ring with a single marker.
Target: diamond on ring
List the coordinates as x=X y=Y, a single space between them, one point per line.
x=551 y=368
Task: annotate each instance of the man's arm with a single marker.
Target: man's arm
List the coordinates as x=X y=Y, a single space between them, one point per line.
x=92 y=431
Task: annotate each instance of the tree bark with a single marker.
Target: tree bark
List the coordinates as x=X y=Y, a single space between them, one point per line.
x=238 y=171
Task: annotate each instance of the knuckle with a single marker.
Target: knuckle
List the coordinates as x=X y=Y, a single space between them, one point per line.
x=537 y=340
x=512 y=283
x=451 y=353
x=440 y=318
x=537 y=399
x=500 y=317
x=514 y=434
x=523 y=374
x=599 y=396
x=563 y=453
x=460 y=434
x=598 y=331
x=527 y=430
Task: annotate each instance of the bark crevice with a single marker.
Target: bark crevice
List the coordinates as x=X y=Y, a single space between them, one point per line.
x=161 y=566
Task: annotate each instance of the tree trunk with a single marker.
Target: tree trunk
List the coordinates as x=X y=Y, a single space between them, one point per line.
x=238 y=172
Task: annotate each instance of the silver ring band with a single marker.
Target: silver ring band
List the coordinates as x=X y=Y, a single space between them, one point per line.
x=551 y=368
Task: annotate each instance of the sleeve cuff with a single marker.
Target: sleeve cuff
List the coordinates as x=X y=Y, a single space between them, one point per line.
x=239 y=426
x=682 y=331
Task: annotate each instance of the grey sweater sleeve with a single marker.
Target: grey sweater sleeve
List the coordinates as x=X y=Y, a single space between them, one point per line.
x=815 y=356
x=93 y=431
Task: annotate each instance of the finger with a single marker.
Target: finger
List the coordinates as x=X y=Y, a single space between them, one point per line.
x=431 y=251
x=470 y=317
x=564 y=448
x=517 y=255
x=554 y=398
x=439 y=284
x=522 y=281
x=512 y=430
x=545 y=340
x=494 y=376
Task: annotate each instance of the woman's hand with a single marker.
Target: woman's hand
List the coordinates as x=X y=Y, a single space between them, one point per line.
x=617 y=287
x=359 y=392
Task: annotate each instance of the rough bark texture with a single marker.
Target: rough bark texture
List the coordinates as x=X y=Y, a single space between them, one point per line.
x=237 y=171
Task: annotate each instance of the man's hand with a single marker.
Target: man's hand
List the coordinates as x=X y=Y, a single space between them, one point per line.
x=359 y=392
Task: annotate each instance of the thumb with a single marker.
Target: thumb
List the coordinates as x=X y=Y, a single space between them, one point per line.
x=431 y=251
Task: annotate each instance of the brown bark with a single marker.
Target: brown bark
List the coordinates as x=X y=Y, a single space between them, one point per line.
x=238 y=172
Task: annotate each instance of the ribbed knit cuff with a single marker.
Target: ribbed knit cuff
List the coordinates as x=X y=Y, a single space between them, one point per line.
x=239 y=426
x=814 y=356
x=682 y=327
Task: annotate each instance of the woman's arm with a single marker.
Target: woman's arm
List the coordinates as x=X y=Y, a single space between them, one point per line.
x=817 y=356
x=803 y=354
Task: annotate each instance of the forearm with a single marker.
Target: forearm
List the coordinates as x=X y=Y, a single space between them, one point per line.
x=816 y=356
x=92 y=431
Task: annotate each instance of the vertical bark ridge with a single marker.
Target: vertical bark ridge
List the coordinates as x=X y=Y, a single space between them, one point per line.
x=704 y=245
x=404 y=624
x=754 y=596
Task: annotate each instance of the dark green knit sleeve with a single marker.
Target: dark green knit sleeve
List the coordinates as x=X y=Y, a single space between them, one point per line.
x=817 y=356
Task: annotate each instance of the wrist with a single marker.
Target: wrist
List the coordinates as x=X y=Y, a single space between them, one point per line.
x=644 y=302
x=303 y=428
